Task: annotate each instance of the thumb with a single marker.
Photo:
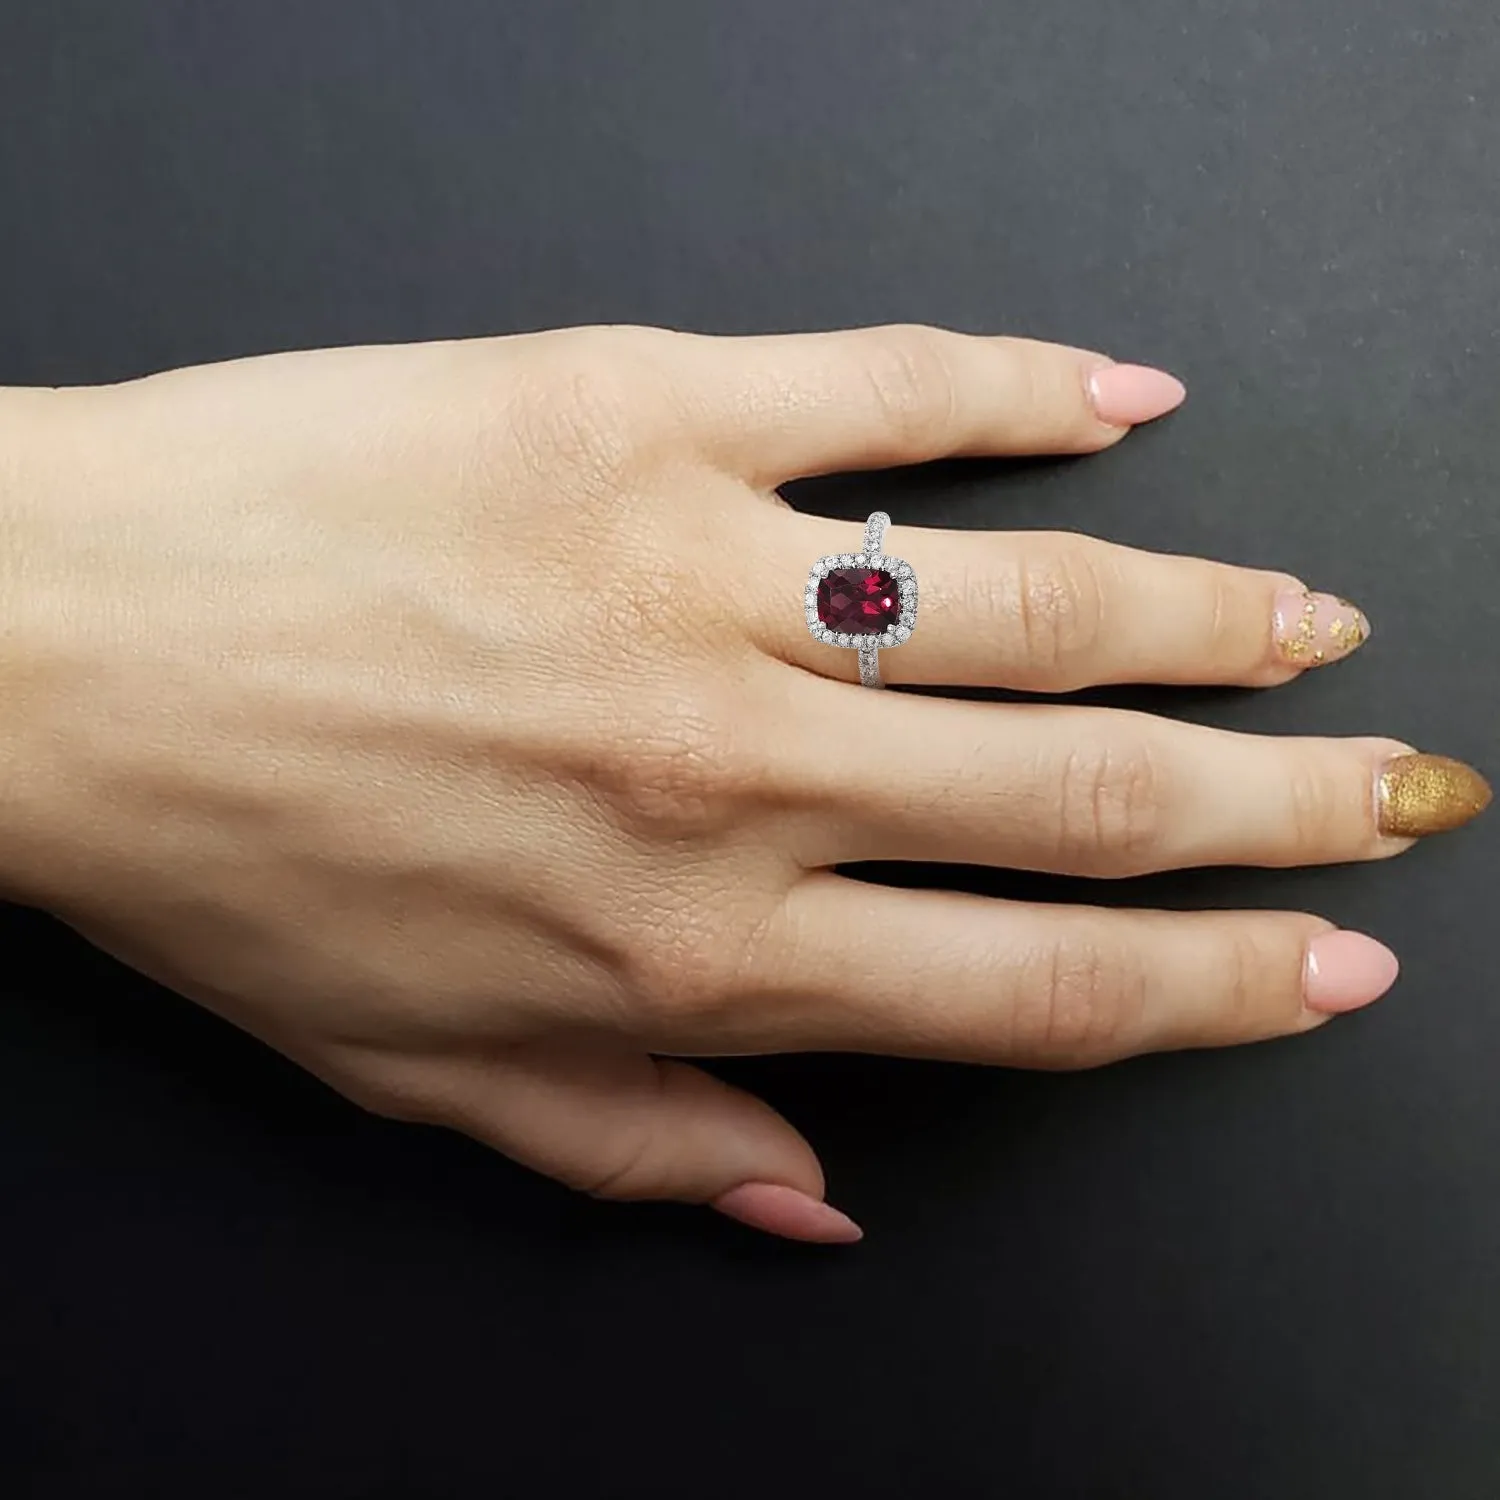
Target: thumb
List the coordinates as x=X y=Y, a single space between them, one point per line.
x=626 y=1125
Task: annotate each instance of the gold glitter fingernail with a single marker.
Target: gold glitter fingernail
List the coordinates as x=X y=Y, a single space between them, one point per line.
x=1313 y=629
x=1422 y=794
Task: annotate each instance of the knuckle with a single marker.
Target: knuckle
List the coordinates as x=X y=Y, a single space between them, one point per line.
x=1033 y=395
x=1110 y=808
x=679 y=976
x=912 y=384
x=679 y=775
x=1318 y=810
x=583 y=418
x=1084 y=1006
x=590 y=397
x=1059 y=608
x=1227 y=630
x=631 y=1173
x=1256 y=979
x=1244 y=965
x=1230 y=601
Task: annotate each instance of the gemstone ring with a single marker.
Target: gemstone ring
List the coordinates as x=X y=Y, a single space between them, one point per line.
x=863 y=600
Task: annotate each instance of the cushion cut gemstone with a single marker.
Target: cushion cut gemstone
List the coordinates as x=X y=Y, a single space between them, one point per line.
x=858 y=601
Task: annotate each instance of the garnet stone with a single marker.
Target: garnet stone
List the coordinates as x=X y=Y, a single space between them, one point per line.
x=858 y=601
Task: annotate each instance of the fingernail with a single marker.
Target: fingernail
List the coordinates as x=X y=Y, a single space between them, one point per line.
x=1345 y=970
x=1124 y=395
x=785 y=1211
x=1312 y=630
x=1421 y=794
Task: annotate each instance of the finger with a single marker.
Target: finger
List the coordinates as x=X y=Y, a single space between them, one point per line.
x=1054 y=611
x=935 y=974
x=773 y=409
x=1100 y=792
x=623 y=1125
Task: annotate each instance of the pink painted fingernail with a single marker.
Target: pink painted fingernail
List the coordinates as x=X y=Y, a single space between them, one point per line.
x=1345 y=970
x=1124 y=395
x=1312 y=630
x=785 y=1211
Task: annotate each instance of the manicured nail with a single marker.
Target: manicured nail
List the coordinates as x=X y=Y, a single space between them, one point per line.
x=785 y=1211
x=1124 y=395
x=1312 y=630
x=1345 y=970
x=1420 y=794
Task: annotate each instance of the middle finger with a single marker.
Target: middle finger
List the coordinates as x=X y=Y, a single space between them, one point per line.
x=1101 y=792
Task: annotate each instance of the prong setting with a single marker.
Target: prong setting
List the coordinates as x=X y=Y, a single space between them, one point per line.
x=897 y=633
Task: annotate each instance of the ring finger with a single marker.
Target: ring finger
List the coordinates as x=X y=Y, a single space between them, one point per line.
x=1053 y=612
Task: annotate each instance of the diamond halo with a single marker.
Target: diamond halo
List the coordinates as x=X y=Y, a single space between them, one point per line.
x=872 y=590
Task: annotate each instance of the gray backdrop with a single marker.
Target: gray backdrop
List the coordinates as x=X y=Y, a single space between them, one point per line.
x=1264 y=1273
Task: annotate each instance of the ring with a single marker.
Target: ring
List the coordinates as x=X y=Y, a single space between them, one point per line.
x=863 y=600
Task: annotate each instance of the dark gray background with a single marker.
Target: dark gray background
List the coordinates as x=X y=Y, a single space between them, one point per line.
x=1263 y=1273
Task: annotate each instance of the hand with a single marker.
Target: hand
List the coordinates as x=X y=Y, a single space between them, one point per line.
x=446 y=717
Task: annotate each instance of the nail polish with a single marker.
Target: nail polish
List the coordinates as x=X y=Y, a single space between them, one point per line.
x=1345 y=970
x=1312 y=630
x=1421 y=794
x=788 y=1212
x=1125 y=395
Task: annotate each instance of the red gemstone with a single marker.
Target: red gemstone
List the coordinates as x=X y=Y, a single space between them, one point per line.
x=858 y=601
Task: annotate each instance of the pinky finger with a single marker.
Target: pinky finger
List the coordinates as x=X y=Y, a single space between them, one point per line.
x=979 y=980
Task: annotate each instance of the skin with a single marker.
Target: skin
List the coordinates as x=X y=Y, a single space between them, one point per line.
x=394 y=704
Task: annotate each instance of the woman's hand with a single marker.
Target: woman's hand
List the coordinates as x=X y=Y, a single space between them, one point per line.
x=446 y=716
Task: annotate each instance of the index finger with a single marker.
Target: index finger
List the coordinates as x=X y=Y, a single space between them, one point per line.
x=780 y=407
